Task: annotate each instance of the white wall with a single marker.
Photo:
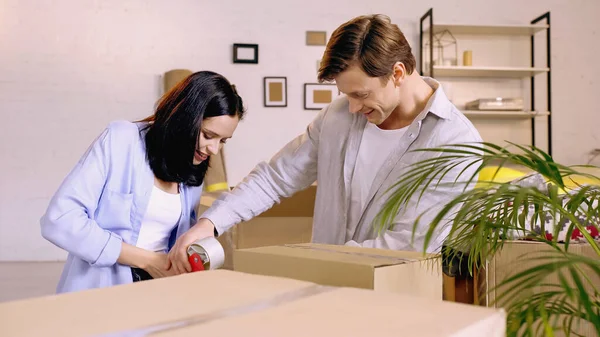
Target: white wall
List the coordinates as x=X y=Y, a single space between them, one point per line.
x=67 y=68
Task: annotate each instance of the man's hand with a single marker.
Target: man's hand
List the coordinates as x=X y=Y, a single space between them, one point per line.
x=178 y=256
x=158 y=265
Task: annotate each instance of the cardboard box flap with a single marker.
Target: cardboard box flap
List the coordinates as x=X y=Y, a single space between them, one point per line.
x=345 y=254
x=272 y=302
x=122 y=308
x=536 y=245
x=353 y=312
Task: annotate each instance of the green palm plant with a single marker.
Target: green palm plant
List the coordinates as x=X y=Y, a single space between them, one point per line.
x=487 y=214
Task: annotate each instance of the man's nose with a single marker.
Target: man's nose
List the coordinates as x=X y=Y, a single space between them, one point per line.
x=355 y=105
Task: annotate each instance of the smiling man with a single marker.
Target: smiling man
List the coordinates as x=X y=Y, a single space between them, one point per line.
x=356 y=148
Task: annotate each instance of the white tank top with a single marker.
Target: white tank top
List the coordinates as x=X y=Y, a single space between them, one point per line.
x=162 y=216
x=375 y=148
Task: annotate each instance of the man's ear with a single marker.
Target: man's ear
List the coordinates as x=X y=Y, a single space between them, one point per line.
x=399 y=73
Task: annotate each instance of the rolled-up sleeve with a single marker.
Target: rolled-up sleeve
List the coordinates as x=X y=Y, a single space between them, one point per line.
x=68 y=222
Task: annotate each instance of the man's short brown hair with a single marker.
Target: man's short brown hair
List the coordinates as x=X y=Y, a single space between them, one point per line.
x=372 y=42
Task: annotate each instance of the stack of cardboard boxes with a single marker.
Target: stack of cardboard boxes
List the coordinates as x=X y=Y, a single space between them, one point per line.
x=227 y=303
x=281 y=285
x=277 y=243
x=278 y=246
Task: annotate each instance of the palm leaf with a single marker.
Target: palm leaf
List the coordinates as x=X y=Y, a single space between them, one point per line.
x=481 y=218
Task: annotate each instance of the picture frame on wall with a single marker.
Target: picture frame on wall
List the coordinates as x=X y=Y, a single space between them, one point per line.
x=245 y=53
x=316 y=38
x=318 y=95
x=275 y=91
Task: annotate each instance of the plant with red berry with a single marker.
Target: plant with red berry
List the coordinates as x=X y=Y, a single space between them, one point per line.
x=483 y=216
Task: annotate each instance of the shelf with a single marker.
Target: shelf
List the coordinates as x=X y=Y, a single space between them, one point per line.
x=505 y=114
x=474 y=71
x=489 y=29
x=525 y=34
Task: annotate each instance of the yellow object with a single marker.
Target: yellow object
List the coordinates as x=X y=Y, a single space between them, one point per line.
x=468 y=58
x=216 y=177
x=503 y=175
x=217 y=187
x=575 y=181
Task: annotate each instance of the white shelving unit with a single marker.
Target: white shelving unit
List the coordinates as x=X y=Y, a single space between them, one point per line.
x=474 y=71
x=519 y=31
x=488 y=29
x=505 y=114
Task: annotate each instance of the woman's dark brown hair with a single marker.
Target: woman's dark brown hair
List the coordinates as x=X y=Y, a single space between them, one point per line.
x=172 y=131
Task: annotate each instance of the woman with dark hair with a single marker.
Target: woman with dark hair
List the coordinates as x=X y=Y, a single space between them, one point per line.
x=135 y=190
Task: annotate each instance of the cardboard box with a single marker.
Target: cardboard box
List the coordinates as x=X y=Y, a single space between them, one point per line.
x=290 y=221
x=226 y=303
x=513 y=259
x=343 y=266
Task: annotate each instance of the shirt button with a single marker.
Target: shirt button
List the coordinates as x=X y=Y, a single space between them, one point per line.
x=411 y=135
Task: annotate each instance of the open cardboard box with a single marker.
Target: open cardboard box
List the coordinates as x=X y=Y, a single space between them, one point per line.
x=514 y=258
x=378 y=269
x=226 y=303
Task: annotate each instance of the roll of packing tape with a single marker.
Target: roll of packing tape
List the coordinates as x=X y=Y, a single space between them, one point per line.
x=206 y=254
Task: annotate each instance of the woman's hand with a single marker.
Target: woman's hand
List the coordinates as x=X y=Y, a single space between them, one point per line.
x=158 y=265
x=178 y=255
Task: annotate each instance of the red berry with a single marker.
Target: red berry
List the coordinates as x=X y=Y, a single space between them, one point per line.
x=593 y=230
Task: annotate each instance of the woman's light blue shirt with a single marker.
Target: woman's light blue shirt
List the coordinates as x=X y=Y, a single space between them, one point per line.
x=101 y=203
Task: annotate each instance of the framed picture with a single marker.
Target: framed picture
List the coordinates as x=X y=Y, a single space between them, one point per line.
x=245 y=53
x=275 y=89
x=318 y=95
x=316 y=38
